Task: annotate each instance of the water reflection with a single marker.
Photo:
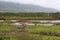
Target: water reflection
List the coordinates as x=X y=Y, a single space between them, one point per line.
x=46 y=24
x=1 y=20
x=32 y=22
x=14 y=20
x=16 y=23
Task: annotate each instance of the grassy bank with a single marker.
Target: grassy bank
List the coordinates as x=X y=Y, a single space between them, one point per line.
x=37 y=32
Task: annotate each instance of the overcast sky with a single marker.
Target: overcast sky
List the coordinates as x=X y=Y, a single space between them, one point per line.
x=46 y=3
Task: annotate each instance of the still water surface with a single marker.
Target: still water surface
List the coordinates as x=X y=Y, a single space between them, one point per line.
x=29 y=22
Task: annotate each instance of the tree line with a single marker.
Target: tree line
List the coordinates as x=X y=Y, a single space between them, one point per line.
x=41 y=15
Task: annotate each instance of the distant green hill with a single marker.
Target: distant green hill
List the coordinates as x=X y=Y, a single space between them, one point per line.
x=10 y=6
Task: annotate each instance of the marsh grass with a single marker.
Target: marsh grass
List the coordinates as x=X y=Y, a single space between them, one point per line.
x=32 y=32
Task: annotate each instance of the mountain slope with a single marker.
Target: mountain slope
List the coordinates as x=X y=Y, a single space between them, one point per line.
x=5 y=6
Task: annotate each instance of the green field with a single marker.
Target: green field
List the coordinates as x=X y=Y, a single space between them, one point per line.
x=36 y=32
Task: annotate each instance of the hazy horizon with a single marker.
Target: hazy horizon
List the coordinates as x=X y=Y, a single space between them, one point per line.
x=45 y=3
